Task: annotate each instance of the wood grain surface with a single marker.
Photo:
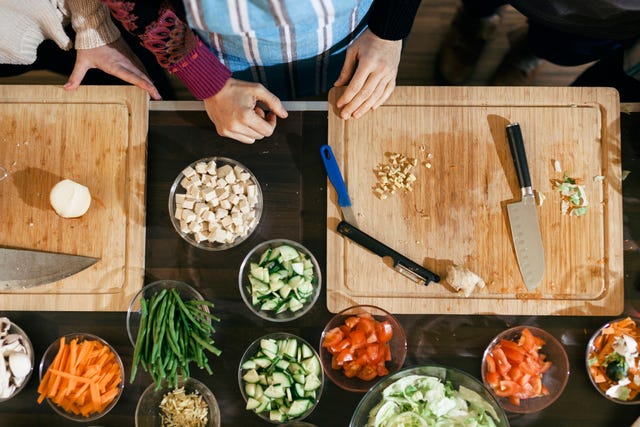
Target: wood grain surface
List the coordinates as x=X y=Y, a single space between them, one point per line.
x=456 y=213
x=95 y=136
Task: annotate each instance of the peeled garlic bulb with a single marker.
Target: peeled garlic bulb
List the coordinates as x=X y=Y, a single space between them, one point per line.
x=70 y=199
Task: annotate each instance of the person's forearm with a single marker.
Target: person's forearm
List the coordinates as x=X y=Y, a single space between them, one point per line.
x=163 y=30
x=92 y=24
x=392 y=19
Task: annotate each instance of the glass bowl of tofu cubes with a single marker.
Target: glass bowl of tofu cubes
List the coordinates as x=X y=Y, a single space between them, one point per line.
x=215 y=203
x=279 y=280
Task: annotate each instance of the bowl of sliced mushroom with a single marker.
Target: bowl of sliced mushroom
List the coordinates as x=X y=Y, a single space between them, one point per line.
x=215 y=203
x=17 y=359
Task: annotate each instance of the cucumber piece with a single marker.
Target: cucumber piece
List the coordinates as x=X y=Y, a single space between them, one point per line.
x=274 y=392
x=312 y=365
x=250 y=389
x=265 y=405
x=291 y=348
x=306 y=351
x=249 y=364
x=298 y=268
x=288 y=253
x=275 y=254
x=266 y=255
x=280 y=379
x=252 y=404
x=295 y=304
x=276 y=415
x=299 y=407
x=312 y=382
x=262 y=362
x=298 y=388
x=251 y=376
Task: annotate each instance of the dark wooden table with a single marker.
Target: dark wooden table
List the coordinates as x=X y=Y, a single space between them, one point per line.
x=294 y=184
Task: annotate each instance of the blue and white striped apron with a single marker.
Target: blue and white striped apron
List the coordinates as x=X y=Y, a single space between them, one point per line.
x=296 y=48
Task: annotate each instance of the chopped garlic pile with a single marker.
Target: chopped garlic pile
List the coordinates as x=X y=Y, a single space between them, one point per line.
x=180 y=409
x=220 y=203
x=394 y=175
x=573 y=195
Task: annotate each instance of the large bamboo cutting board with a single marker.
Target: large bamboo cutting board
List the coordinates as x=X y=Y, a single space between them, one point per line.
x=97 y=137
x=456 y=213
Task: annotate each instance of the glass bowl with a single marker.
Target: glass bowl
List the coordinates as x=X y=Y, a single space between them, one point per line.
x=185 y=291
x=272 y=295
x=219 y=213
x=297 y=373
x=48 y=358
x=15 y=336
x=149 y=414
x=456 y=377
x=599 y=374
x=554 y=379
x=397 y=348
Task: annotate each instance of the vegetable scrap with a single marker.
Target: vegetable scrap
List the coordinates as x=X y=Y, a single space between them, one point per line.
x=515 y=368
x=613 y=360
x=172 y=334
x=181 y=409
x=573 y=195
x=83 y=378
x=394 y=175
x=463 y=280
x=421 y=400
x=360 y=346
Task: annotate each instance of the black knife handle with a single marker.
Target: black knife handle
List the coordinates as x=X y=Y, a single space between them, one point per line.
x=516 y=144
x=383 y=250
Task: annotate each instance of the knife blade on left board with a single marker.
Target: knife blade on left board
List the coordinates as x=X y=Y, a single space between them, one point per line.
x=25 y=268
x=335 y=176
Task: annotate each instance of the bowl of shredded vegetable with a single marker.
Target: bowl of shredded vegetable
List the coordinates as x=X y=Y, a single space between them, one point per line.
x=526 y=368
x=360 y=345
x=612 y=360
x=81 y=377
x=429 y=395
x=190 y=404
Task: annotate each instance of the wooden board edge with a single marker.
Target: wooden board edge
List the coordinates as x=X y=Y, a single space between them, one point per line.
x=136 y=101
x=612 y=303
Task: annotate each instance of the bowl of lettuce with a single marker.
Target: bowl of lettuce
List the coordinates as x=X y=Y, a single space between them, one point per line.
x=426 y=396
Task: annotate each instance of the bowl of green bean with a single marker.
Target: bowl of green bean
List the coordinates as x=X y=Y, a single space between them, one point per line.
x=170 y=325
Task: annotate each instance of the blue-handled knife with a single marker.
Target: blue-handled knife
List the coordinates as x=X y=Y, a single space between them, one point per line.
x=335 y=176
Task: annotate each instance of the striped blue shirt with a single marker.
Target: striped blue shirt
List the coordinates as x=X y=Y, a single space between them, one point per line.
x=295 y=47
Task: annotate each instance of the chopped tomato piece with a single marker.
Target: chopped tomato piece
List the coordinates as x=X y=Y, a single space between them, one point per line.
x=332 y=337
x=491 y=364
x=357 y=338
x=345 y=355
x=384 y=331
x=507 y=388
x=351 y=322
x=342 y=345
x=367 y=373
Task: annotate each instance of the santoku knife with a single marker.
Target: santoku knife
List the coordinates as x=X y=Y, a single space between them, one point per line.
x=335 y=176
x=523 y=216
x=24 y=268
x=402 y=264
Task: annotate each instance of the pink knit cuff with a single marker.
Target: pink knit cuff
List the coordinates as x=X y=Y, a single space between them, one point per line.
x=202 y=73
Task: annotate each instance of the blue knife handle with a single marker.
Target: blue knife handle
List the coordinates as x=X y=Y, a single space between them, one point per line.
x=516 y=144
x=334 y=174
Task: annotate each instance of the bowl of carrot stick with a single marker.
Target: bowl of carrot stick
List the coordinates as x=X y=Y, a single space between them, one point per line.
x=612 y=359
x=81 y=377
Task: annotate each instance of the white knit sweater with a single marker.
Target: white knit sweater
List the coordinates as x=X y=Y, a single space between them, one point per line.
x=24 y=24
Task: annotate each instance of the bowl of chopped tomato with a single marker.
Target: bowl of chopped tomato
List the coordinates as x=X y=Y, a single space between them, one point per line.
x=612 y=360
x=526 y=368
x=360 y=345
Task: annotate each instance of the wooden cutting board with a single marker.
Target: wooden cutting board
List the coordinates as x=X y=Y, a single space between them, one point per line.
x=456 y=213
x=97 y=137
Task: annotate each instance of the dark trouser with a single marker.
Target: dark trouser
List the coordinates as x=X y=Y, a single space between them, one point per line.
x=553 y=45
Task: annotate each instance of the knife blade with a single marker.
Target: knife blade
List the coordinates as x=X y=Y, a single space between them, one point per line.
x=402 y=264
x=25 y=268
x=523 y=216
x=335 y=176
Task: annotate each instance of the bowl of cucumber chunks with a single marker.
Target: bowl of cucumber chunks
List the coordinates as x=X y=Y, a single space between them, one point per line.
x=279 y=280
x=280 y=378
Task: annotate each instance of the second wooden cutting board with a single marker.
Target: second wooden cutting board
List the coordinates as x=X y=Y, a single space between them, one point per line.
x=456 y=213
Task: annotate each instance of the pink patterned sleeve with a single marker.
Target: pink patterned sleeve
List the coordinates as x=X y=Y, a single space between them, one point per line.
x=202 y=73
x=175 y=46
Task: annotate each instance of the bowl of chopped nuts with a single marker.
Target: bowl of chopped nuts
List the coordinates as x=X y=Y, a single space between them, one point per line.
x=215 y=203
x=189 y=404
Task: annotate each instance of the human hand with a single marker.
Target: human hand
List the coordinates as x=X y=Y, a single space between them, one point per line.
x=115 y=58
x=238 y=111
x=371 y=64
